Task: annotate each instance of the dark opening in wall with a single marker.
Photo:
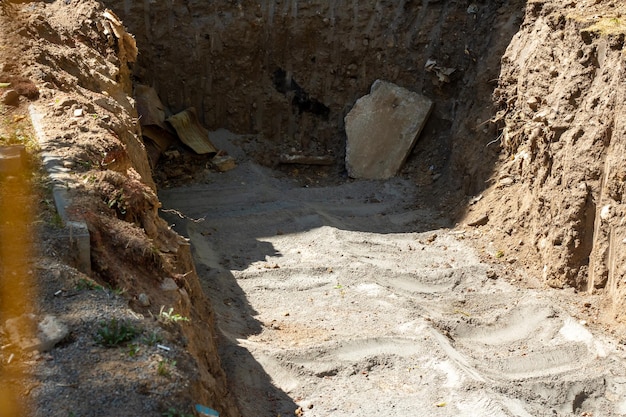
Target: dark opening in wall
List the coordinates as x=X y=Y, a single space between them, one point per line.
x=284 y=83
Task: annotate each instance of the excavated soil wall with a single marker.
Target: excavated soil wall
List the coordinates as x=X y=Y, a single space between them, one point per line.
x=559 y=196
x=292 y=70
x=79 y=57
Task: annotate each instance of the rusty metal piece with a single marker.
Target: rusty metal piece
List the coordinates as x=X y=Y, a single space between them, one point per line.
x=191 y=132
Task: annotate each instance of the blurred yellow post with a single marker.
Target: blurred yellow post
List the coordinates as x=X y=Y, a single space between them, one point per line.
x=15 y=235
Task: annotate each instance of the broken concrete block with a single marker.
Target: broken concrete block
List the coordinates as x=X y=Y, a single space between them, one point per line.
x=382 y=129
x=25 y=332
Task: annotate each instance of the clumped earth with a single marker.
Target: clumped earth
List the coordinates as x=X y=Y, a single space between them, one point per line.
x=142 y=291
x=427 y=293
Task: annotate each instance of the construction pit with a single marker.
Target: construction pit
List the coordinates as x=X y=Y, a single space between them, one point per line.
x=273 y=273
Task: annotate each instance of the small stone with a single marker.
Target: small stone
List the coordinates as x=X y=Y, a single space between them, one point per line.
x=540 y=117
x=224 y=163
x=11 y=98
x=51 y=332
x=605 y=212
x=505 y=182
x=491 y=274
x=173 y=154
x=78 y=113
x=143 y=300
x=533 y=103
x=553 y=72
x=480 y=220
x=169 y=284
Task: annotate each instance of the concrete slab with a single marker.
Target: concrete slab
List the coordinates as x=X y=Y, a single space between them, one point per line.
x=382 y=129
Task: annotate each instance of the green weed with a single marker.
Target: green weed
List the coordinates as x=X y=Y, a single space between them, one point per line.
x=152 y=338
x=115 y=332
x=87 y=284
x=164 y=367
x=173 y=412
x=169 y=316
x=133 y=350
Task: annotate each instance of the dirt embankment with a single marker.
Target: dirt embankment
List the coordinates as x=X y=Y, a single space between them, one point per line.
x=78 y=55
x=558 y=196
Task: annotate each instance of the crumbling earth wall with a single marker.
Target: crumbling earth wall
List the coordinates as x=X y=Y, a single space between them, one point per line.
x=559 y=195
x=79 y=57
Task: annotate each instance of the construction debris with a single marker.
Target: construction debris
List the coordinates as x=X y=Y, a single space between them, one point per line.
x=191 y=132
x=306 y=159
x=443 y=73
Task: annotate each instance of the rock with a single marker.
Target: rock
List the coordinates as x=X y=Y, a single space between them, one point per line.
x=540 y=117
x=479 y=220
x=472 y=9
x=11 y=98
x=51 y=332
x=173 y=154
x=169 y=284
x=491 y=274
x=382 y=129
x=605 y=212
x=143 y=300
x=224 y=163
x=78 y=112
x=533 y=103
x=505 y=182
x=25 y=332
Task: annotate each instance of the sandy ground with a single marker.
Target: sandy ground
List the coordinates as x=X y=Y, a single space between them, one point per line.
x=356 y=300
